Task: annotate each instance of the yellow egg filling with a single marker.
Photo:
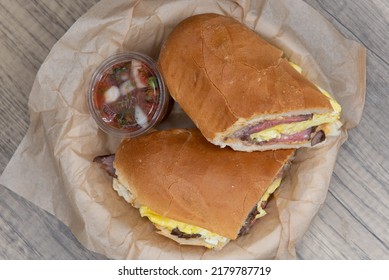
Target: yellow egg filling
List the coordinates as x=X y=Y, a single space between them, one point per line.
x=292 y=128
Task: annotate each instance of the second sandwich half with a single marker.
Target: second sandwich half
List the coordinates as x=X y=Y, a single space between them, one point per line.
x=240 y=90
x=192 y=191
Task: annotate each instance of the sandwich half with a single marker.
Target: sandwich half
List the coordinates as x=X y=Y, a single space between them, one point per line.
x=240 y=91
x=194 y=192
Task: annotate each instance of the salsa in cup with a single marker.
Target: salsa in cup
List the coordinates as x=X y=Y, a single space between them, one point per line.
x=127 y=95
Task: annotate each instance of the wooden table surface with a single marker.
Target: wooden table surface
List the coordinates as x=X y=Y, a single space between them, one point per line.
x=354 y=221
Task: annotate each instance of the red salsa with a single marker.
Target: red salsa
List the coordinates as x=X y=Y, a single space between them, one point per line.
x=127 y=95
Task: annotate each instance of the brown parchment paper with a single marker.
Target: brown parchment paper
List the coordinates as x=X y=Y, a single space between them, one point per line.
x=55 y=155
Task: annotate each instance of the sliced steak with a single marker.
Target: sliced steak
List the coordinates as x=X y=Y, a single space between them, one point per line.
x=180 y=234
x=106 y=163
x=248 y=130
x=319 y=137
x=250 y=220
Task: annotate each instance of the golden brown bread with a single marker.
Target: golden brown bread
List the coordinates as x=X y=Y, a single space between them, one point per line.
x=180 y=175
x=224 y=75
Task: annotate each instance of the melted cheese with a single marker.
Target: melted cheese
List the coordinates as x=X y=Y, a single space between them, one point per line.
x=326 y=120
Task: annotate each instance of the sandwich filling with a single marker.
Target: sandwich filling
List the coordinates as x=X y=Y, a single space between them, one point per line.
x=292 y=129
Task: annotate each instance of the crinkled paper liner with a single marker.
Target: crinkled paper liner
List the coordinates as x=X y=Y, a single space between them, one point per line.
x=55 y=155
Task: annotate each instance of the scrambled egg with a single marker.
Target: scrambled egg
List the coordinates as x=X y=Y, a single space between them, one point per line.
x=271 y=189
x=291 y=128
x=209 y=237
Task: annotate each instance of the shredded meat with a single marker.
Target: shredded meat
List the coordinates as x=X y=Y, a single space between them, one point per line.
x=106 y=163
x=250 y=220
x=181 y=234
x=318 y=138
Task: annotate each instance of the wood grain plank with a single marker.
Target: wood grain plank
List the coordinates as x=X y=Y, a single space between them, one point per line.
x=27 y=232
x=28 y=30
x=354 y=221
x=336 y=234
x=366 y=22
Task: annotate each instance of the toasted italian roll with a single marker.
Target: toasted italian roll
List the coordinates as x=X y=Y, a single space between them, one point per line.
x=194 y=192
x=240 y=91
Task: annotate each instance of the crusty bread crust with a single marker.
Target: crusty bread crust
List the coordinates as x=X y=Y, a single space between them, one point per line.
x=180 y=175
x=223 y=75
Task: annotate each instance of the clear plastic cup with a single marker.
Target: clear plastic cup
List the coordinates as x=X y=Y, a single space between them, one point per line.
x=127 y=96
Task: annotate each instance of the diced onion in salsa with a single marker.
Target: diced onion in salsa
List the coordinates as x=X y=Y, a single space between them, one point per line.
x=127 y=95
